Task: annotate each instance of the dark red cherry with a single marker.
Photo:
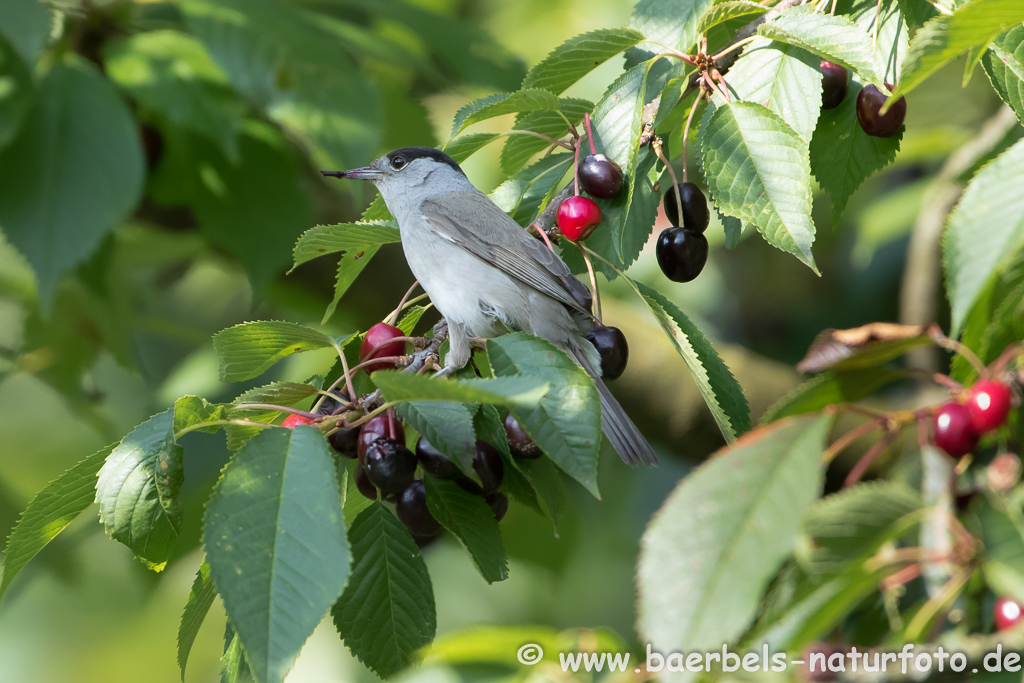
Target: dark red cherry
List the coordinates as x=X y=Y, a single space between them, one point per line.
x=519 y=442
x=375 y=345
x=488 y=466
x=345 y=442
x=294 y=420
x=696 y=215
x=869 y=107
x=611 y=344
x=412 y=510
x=363 y=483
x=376 y=427
x=681 y=253
x=577 y=217
x=600 y=176
x=434 y=461
x=499 y=505
x=988 y=404
x=390 y=466
x=953 y=431
x=834 y=79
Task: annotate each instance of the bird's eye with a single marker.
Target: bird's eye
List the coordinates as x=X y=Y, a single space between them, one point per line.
x=398 y=163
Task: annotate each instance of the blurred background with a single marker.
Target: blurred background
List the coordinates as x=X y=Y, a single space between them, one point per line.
x=122 y=328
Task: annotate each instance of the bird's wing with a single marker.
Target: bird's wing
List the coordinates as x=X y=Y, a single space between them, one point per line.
x=507 y=247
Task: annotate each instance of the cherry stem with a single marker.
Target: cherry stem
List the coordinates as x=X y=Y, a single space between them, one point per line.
x=734 y=46
x=382 y=359
x=272 y=406
x=535 y=134
x=656 y=145
x=725 y=86
x=711 y=83
x=845 y=440
x=346 y=375
x=686 y=137
x=576 y=167
x=590 y=133
x=957 y=347
x=673 y=52
x=593 y=282
x=544 y=236
x=868 y=458
x=200 y=425
x=401 y=304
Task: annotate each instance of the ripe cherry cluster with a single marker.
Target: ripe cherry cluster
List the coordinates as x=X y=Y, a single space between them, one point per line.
x=958 y=425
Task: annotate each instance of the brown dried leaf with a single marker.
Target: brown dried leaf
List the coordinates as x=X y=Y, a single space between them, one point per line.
x=861 y=347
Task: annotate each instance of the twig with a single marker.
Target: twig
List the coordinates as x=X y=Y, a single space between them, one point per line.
x=401 y=304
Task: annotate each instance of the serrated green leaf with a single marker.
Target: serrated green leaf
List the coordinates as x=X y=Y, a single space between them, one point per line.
x=50 y=512
x=548 y=486
x=138 y=490
x=192 y=410
x=835 y=38
x=831 y=388
x=566 y=424
x=465 y=146
x=941 y=39
x=671 y=22
x=717 y=386
x=200 y=598
x=26 y=25
x=843 y=156
x=249 y=349
x=1004 y=65
x=407 y=386
x=726 y=11
x=784 y=78
x=233 y=666
x=708 y=554
x=757 y=170
x=520 y=148
x=387 y=610
x=350 y=266
x=58 y=195
x=528 y=99
x=16 y=95
x=275 y=542
x=985 y=231
x=347 y=237
x=578 y=56
x=281 y=393
x=471 y=520
x=411 y=319
x=447 y=426
x=170 y=73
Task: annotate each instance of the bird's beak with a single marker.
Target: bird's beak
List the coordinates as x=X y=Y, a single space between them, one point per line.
x=366 y=173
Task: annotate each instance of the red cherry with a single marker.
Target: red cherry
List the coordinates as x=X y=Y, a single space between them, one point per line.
x=953 y=431
x=294 y=420
x=989 y=404
x=1007 y=613
x=376 y=336
x=577 y=217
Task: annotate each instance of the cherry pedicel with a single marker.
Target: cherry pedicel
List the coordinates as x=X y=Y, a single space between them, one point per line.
x=1007 y=613
x=988 y=404
x=577 y=217
x=374 y=346
x=953 y=430
x=293 y=420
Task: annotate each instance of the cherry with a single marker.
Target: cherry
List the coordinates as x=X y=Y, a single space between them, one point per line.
x=578 y=217
x=294 y=420
x=363 y=483
x=600 y=176
x=953 y=431
x=988 y=404
x=499 y=505
x=872 y=122
x=412 y=510
x=389 y=465
x=435 y=462
x=376 y=427
x=375 y=336
x=345 y=442
x=1007 y=613
x=611 y=344
x=488 y=466
x=696 y=215
x=519 y=442
x=681 y=253
x=833 y=84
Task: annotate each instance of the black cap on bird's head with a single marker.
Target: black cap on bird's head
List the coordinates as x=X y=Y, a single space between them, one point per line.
x=395 y=161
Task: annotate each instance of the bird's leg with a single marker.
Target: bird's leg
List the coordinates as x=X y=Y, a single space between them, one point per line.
x=459 y=349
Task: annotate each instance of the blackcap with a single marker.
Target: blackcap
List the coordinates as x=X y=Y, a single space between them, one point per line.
x=487 y=275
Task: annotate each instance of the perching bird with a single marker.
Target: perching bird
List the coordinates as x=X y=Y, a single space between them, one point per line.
x=487 y=275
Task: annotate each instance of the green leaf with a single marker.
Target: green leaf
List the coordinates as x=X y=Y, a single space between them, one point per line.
x=73 y=173
x=411 y=319
x=578 y=56
x=200 y=598
x=275 y=542
x=547 y=485
x=526 y=191
x=347 y=237
x=720 y=390
x=985 y=231
x=784 y=78
x=672 y=22
x=471 y=520
x=519 y=148
x=1003 y=538
x=757 y=170
x=407 y=386
x=138 y=490
x=249 y=349
x=708 y=554
x=281 y=393
x=352 y=501
x=830 y=388
x=170 y=73
x=50 y=512
x=192 y=410
x=26 y=25
x=16 y=92
x=529 y=99
x=350 y=266
x=233 y=667
x=726 y=11
x=447 y=426
x=843 y=156
x=835 y=38
x=465 y=146
x=387 y=610
x=941 y=39
x=1004 y=65
x=566 y=424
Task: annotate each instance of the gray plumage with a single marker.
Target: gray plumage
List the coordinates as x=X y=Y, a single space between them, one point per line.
x=487 y=275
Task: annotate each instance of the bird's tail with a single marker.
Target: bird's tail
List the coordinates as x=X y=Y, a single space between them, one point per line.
x=620 y=431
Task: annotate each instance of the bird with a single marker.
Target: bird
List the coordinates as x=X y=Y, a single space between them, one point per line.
x=487 y=275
